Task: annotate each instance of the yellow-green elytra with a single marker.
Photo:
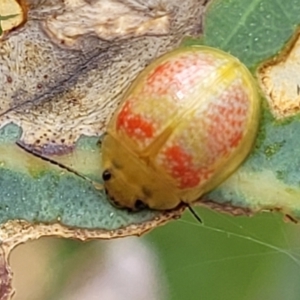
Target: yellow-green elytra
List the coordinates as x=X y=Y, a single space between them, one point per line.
x=184 y=125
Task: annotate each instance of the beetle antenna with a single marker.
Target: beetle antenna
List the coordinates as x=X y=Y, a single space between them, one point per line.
x=192 y=211
x=62 y=166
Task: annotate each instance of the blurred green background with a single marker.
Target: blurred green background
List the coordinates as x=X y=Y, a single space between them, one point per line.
x=230 y=257
x=226 y=257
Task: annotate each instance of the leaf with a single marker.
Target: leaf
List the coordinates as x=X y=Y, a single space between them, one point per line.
x=269 y=179
x=59 y=88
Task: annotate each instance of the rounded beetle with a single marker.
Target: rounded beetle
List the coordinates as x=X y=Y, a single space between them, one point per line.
x=184 y=125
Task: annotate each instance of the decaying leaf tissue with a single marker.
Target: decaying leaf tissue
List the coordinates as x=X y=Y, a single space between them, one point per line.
x=64 y=66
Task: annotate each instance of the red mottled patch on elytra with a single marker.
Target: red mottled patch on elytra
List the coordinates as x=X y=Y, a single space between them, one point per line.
x=161 y=78
x=178 y=75
x=180 y=165
x=228 y=117
x=134 y=124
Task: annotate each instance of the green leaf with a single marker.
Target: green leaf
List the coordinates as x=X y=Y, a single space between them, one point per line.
x=255 y=31
x=251 y=30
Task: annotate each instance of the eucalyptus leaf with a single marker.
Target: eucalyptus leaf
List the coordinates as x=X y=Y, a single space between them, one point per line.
x=62 y=77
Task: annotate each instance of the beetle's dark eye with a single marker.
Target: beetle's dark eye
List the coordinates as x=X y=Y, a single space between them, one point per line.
x=106 y=175
x=140 y=205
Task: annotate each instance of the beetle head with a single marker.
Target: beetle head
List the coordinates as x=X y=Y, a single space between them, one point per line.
x=131 y=182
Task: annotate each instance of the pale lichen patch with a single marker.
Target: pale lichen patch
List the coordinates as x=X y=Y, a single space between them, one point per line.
x=107 y=19
x=264 y=190
x=280 y=82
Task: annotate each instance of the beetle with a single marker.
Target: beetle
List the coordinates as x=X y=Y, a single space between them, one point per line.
x=185 y=124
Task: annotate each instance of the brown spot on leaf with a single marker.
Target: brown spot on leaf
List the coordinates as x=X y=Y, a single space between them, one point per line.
x=75 y=89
